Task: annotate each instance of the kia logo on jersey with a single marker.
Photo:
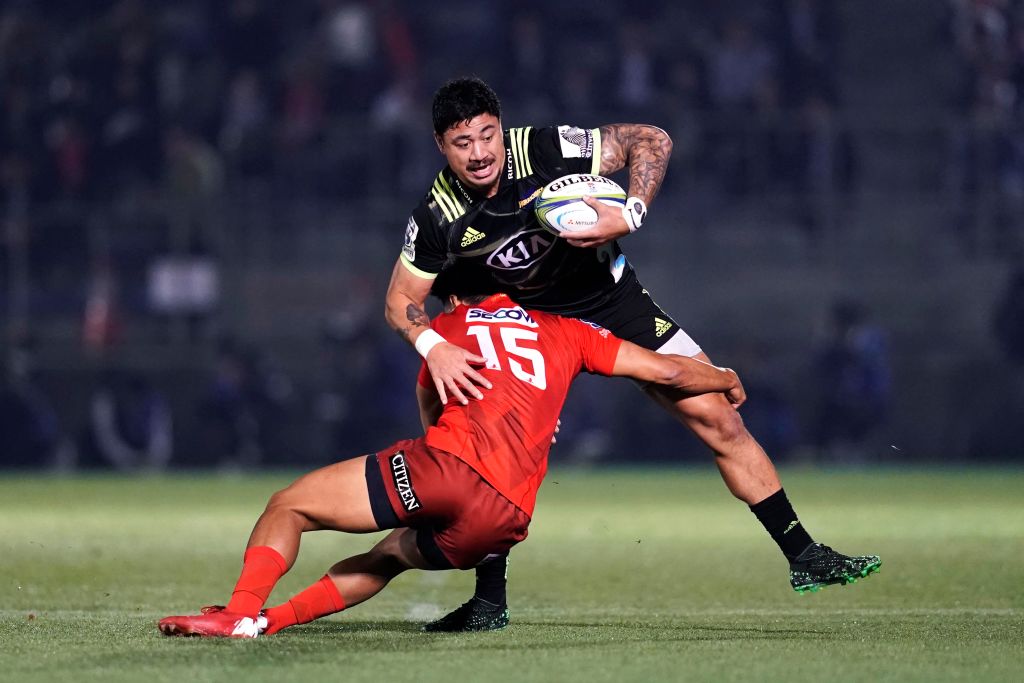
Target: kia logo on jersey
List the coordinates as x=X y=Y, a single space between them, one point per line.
x=522 y=250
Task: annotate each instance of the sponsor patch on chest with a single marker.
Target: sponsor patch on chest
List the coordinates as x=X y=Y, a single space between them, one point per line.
x=513 y=314
x=522 y=250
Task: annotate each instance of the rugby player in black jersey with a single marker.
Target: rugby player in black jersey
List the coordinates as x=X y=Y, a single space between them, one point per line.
x=478 y=215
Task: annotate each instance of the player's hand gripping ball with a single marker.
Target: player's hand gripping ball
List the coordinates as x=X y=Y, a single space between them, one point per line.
x=560 y=207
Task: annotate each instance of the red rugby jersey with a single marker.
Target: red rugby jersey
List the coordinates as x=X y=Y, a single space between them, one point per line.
x=532 y=359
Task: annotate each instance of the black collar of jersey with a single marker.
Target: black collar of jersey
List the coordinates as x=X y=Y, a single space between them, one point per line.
x=469 y=194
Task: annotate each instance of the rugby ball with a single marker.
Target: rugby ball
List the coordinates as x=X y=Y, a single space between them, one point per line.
x=560 y=207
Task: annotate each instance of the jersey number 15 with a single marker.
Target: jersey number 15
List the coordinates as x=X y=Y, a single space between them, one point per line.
x=510 y=338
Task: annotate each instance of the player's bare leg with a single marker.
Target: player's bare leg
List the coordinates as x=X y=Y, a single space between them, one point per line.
x=350 y=582
x=747 y=470
x=333 y=497
x=749 y=474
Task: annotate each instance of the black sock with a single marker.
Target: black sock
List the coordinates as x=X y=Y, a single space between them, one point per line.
x=778 y=518
x=491 y=578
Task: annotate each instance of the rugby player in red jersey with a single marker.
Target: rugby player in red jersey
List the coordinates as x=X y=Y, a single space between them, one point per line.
x=465 y=491
x=478 y=216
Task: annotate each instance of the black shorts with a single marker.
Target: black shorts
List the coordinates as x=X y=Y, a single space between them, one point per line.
x=631 y=314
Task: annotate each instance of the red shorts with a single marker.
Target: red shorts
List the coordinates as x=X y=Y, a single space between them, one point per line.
x=460 y=518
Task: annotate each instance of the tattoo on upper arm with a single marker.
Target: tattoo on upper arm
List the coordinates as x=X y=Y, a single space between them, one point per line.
x=417 y=317
x=646 y=149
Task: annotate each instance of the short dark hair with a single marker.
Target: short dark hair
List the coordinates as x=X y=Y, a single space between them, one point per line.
x=460 y=100
x=463 y=282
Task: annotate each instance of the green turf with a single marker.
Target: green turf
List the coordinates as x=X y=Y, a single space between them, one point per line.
x=653 y=575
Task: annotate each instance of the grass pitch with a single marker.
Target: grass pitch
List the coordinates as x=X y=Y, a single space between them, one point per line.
x=628 y=575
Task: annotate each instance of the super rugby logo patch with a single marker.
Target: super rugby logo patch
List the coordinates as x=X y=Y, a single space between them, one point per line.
x=576 y=143
x=403 y=482
x=411 y=230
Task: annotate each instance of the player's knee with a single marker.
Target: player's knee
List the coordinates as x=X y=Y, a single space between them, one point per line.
x=386 y=559
x=720 y=421
x=285 y=499
x=731 y=427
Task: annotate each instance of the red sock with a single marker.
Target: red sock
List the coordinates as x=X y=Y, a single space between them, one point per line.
x=262 y=566
x=319 y=600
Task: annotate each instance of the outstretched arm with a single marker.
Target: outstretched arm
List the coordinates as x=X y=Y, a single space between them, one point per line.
x=686 y=374
x=405 y=312
x=645 y=150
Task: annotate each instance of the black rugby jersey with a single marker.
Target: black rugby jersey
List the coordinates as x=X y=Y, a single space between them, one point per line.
x=500 y=237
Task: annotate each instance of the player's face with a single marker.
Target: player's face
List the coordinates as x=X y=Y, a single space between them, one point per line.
x=475 y=151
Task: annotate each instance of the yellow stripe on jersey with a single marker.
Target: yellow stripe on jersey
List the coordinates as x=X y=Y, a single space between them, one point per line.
x=450 y=193
x=445 y=198
x=513 y=136
x=595 y=165
x=520 y=138
x=414 y=270
x=443 y=202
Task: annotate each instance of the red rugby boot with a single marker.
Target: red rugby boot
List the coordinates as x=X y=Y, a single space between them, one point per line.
x=213 y=623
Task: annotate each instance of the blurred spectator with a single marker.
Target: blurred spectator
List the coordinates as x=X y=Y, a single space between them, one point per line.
x=69 y=158
x=101 y=325
x=853 y=374
x=30 y=432
x=769 y=414
x=739 y=64
x=245 y=126
x=823 y=166
x=808 y=41
x=243 y=412
x=356 y=404
x=130 y=134
x=1008 y=320
x=995 y=427
x=194 y=169
x=529 y=53
x=229 y=411
x=351 y=37
x=401 y=154
x=579 y=90
x=398 y=44
x=130 y=425
x=366 y=389
x=686 y=100
x=250 y=33
x=194 y=180
x=987 y=169
x=636 y=86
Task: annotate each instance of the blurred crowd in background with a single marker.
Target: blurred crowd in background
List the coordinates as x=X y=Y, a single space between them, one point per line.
x=109 y=100
x=140 y=141
x=988 y=145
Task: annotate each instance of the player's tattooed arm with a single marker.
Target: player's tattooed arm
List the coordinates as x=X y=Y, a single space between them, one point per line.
x=644 y=149
x=417 y=319
x=404 y=303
